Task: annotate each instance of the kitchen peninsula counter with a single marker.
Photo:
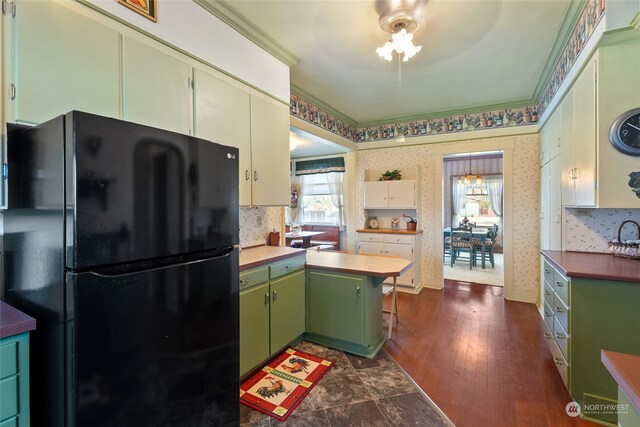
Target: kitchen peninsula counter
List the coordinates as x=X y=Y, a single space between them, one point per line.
x=262 y=255
x=591 y=265
x=373 y=266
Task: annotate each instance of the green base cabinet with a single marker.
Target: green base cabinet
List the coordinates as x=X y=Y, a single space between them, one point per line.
x=272 y=303
x=14 y=380
x=344 y=311
x=628 y=416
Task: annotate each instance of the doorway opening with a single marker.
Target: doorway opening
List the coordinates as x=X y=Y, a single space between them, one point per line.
x=472 y=220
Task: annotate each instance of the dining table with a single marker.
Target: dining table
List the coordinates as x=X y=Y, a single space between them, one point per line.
x=476 y=232
x=304 y=235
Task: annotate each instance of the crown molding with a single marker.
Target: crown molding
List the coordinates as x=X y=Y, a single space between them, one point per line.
x=576 y=7
x=227 y=14
x=441 y=114
x=298 y=91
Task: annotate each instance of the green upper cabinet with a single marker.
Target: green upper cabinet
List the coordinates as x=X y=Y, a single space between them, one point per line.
x=61 y=61
x=221 y=113
x=269 y=153
x=155 y=87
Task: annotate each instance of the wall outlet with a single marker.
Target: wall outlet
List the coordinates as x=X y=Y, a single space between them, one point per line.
x=259 y=221
x=583 y=212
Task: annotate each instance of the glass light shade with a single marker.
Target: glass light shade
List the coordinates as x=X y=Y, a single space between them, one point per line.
x=402 y=42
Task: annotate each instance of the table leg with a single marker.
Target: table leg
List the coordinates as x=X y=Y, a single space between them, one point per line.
x=306 y=242
x=393 y=307
x=483 y=253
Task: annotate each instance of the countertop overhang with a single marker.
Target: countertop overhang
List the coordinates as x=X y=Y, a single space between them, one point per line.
x=590 y=265
x=625 y=370
x=13 y=321
x=261 y=255
x=369 y=265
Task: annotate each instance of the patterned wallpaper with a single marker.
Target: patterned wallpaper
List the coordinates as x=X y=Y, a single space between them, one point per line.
x=593 y=12
x=526 y=177
x=593 y=231
x=253 y=234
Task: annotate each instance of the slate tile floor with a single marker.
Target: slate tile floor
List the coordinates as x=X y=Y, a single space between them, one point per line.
x=356 y=392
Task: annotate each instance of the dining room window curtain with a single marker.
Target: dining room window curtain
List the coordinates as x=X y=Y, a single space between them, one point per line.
x=458 y=197
x=494 y=184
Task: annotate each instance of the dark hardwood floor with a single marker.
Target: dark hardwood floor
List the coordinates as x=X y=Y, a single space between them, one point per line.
x=483 y=360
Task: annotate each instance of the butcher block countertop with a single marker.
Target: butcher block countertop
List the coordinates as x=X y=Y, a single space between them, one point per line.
x=388 y=231
x=357 y=264
x=13 y=321
x=591 y=265
x=261 y=255
x=625 y=369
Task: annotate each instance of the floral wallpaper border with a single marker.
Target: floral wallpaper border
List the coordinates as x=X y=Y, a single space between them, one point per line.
x=591 y=16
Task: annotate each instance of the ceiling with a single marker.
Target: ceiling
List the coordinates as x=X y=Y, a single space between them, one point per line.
x=309 y=145
x=475 y=53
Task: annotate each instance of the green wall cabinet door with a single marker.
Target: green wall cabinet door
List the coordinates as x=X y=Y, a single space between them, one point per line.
x=155 y=87
x=287 y=309
x=62 y=61
x=14 y=380
x=221 y=113
x=254 y=326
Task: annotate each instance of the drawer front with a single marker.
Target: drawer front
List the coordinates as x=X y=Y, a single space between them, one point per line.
x=9 y=400
x=398 y=238
x=548 y=293
x=12 y=422
x=8 y=359
x=561 y=286
x=561 y=312
x=253 y=277
x=548 y=333
x=371 y=237
x=560 y=362
x=562 y=338
x=548 y=272
x=548 y=316
x=287 y=266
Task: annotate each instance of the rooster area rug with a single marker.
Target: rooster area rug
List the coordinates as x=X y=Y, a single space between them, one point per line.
x=279 y=387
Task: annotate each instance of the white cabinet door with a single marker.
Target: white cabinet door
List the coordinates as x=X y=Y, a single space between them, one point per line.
x=402 y=194
x=373 y=248
x=554 y=206
x=585 y=136
x=376 y=194
x=222 y=113
x=567 y=137
x=62 y=61
x=155 y=87
x=269 y=153
x=404 y=252
x=544 y=207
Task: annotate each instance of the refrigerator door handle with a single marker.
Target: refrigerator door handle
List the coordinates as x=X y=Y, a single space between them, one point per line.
x=226 y=254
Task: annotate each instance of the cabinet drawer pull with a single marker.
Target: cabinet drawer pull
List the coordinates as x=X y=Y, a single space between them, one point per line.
x=559 y=284
x=547 y=271
x=255 y=175
x=288 y=267
x=547 y=314
x=247 y=175
x=559 y=361
x=560 y=336
x=275 y=296
x=266 y=299
x=244 y=282
x=358 y=291
x=547 y=293
x=547 y=336
x=560 y=309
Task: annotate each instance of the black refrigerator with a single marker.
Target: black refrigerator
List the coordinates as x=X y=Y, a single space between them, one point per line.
x=121 y=240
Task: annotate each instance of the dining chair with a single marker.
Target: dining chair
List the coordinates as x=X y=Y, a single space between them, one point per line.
x=462 y=241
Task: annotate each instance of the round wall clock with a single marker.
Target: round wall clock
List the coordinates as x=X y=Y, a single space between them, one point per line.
x=625 y=133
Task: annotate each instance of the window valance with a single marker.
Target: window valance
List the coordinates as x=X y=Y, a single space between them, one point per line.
x=310 y=167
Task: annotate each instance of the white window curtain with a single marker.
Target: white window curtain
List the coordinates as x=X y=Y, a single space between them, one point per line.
x=495 y=191
x=459 y=197
x=334 y=180
x=294 y=212
x=321 y=184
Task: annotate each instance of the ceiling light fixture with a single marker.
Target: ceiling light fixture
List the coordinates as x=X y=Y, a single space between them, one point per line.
x=469 y=177
x=401 y=23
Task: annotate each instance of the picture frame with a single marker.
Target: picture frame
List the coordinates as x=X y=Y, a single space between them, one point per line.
x=146 y=8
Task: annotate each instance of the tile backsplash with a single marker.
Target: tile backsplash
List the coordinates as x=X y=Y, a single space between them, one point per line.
x=257 y=222
x=590 y=230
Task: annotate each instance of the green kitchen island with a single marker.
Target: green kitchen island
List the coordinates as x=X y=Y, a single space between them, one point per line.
x=344 y=299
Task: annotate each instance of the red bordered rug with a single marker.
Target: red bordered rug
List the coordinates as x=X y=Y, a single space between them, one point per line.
x=281 y=385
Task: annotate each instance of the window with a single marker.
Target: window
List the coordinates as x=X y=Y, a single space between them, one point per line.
x=319 y=203
x=478 y=202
